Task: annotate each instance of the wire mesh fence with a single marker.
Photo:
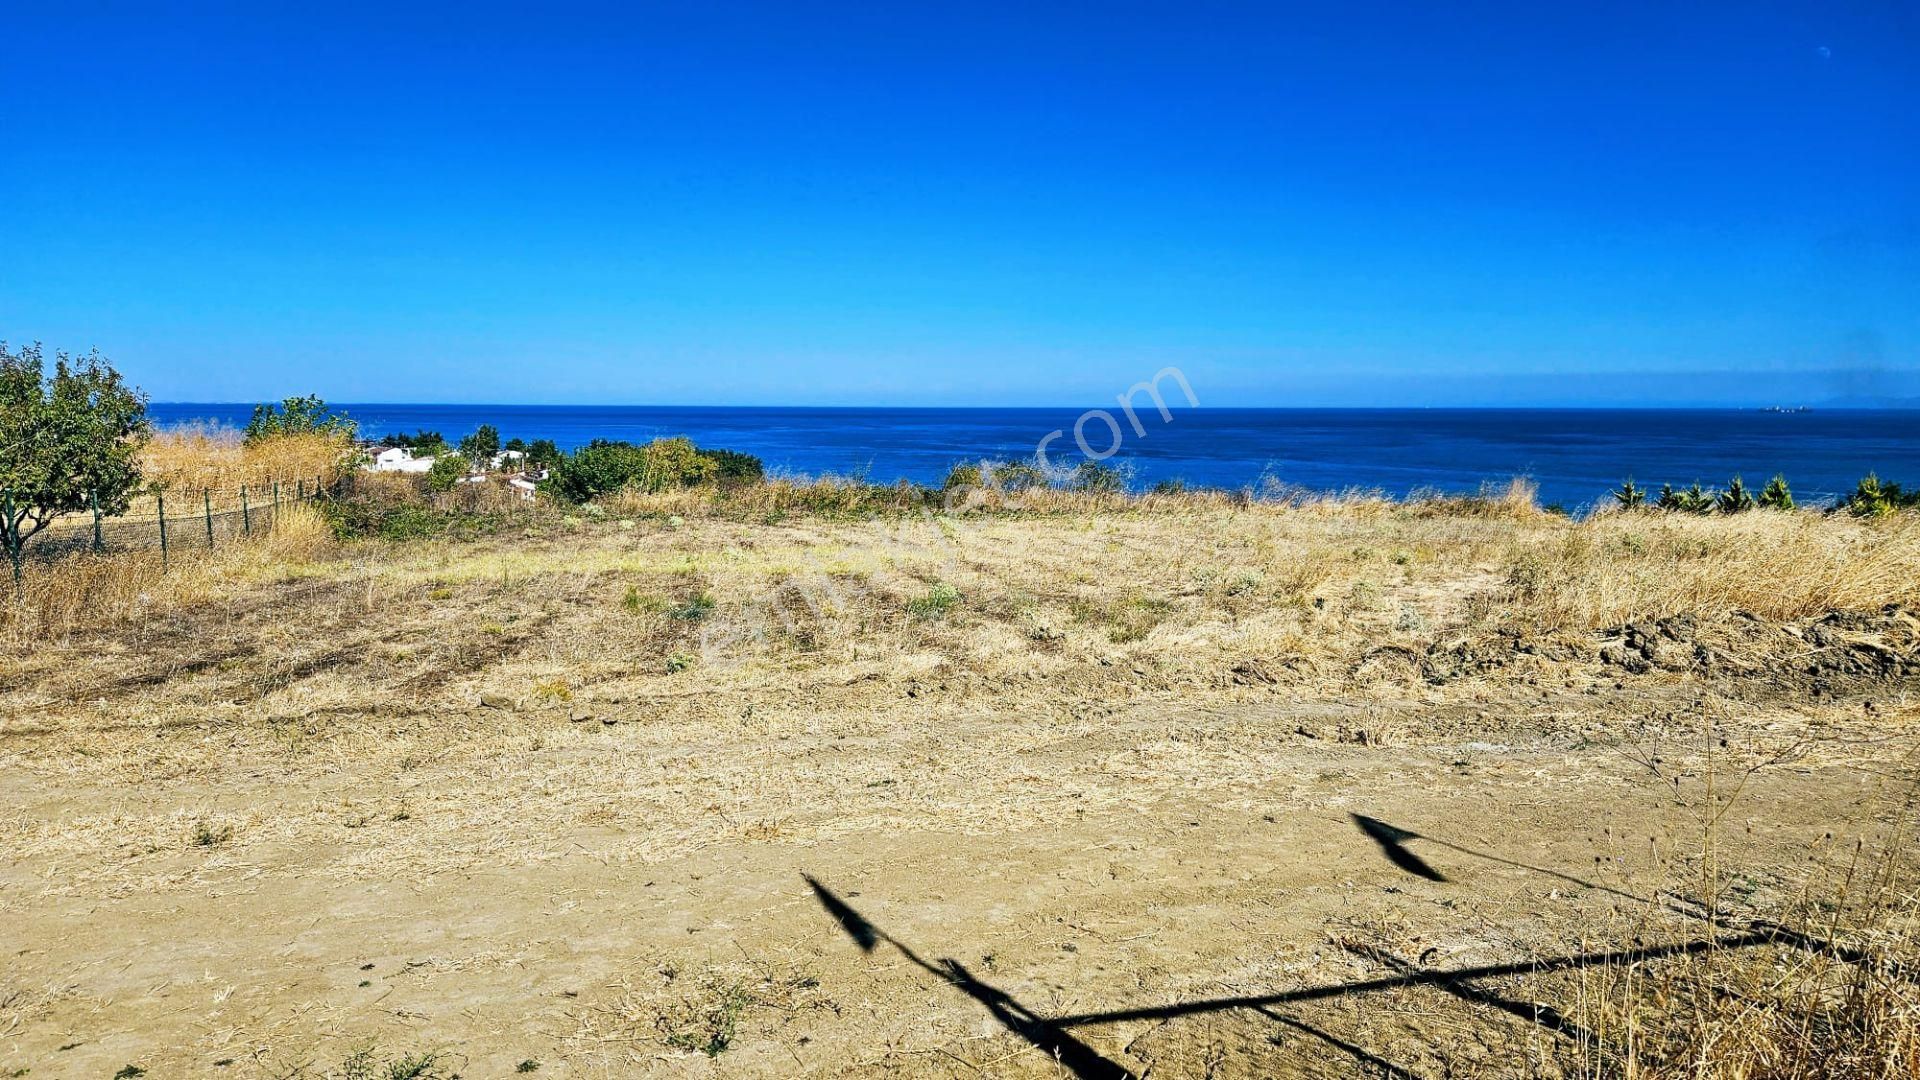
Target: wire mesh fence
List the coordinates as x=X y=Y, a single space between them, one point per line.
x=174 y=523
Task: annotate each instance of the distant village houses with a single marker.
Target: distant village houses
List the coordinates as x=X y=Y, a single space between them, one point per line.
x=399 y=459
x=508 y=463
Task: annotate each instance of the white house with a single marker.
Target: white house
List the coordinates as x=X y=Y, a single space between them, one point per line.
x=507 y=457
x=400 y=459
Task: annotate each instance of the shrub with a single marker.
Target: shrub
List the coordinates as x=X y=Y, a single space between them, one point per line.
x=1629 y=496
x=447 y=470
x=1874 y=497
x=1094 y=476
x=1694 y=500
x=731 y=467
x=1736 y=499
x=1776 y=495
x=604 y=466
x=1015 y=475
x=962 y=476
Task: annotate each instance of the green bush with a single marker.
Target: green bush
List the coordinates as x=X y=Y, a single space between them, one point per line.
x=963 y=476
x=732 y=468
x=1694 y=500
x=1016 y=475
x=1096 y=476
x=604 y=466
x=447 y=470
x=1776 y=495
x=1736 y=499
x=1874 y=497
x=354 y=519
x=1629 y=496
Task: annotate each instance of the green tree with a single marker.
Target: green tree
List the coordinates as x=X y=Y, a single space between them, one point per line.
x=65 y=439
x=299 y=416
x=1629 y=496
x=447 y=470
x=543 y=454
x=481 y=446
x=423 y=443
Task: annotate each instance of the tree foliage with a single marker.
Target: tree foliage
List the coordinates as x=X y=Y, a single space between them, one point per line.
x=604 y=466
x=1776 y=495
x=1736 y=499
x=65 y=438
x=299 y=416
x=423 y=443
x=481 y=446
x=447 y=470
x=1874 y=497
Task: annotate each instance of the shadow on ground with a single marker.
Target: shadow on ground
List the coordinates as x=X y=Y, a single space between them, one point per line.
x=1054 y=1036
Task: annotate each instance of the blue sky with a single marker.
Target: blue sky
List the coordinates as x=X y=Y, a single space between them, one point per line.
x=970 y=205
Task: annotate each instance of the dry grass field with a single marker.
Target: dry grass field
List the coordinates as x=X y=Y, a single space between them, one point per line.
x=1171 y=786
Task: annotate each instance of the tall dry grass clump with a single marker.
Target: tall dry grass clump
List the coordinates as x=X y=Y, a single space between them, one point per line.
x=193 y=458
x=1833 y=990
x=1615 y=568
x=59 y=598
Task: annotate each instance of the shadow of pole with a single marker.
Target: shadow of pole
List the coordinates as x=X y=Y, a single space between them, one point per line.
x=1393 y=839
x=1052 y=1035
x=1076 y=1057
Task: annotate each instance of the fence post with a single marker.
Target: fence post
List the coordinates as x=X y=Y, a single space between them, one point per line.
x=276 y=497
x=246 y=516
x=300 y=491
x=93 y=503
x=206 y=506
x=160 y=509
x=10 y=535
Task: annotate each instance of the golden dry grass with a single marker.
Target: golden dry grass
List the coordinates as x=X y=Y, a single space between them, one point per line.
x=191 y=458
x=783 y=658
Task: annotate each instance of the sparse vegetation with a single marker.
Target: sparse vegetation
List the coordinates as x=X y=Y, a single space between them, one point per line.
x=1142 y=692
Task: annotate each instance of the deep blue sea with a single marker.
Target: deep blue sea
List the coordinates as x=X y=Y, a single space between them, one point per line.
x=1575 y=455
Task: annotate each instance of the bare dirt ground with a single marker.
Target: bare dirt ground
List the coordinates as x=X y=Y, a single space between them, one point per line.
x=1247 y=794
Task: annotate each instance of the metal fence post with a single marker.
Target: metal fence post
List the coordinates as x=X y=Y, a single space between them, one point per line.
x=206 y=506
x=11 y=535
x=246 y=516
x=276 y=496
x=160 y=510
x=300 y=491
x=93 y=502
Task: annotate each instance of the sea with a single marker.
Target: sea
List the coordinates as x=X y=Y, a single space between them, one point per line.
x=1575 y=456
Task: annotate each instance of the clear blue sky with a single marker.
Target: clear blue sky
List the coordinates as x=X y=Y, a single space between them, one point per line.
x=1035 y=204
